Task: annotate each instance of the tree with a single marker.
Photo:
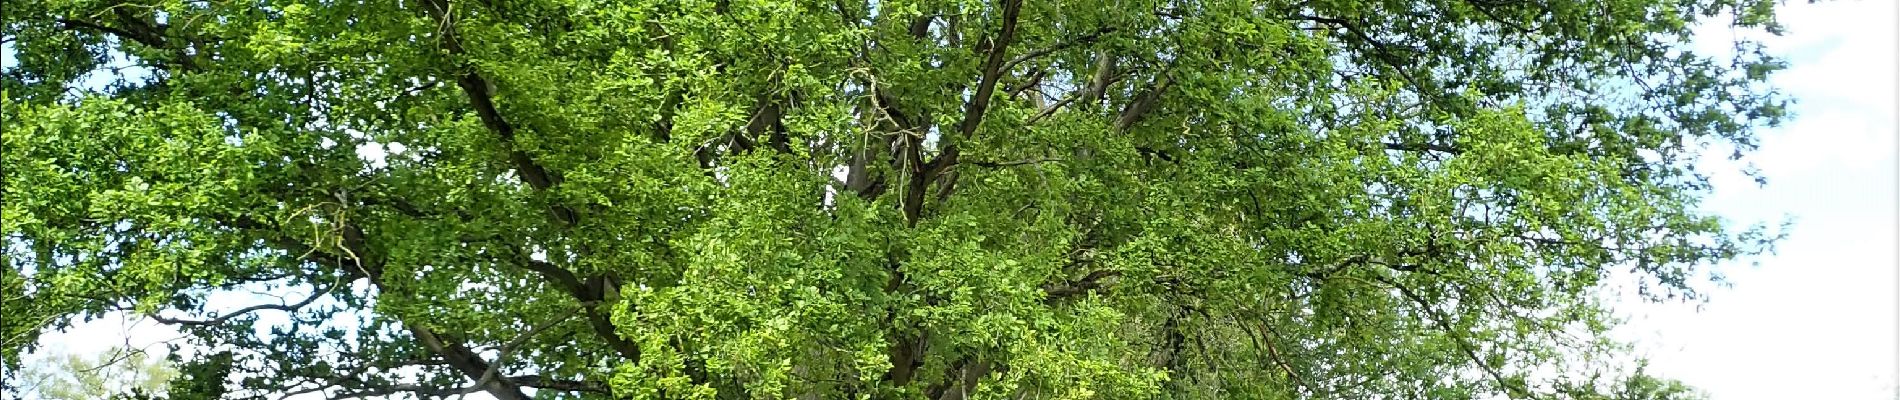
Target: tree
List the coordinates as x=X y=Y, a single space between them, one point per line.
x=118 y=371
x=872 y=199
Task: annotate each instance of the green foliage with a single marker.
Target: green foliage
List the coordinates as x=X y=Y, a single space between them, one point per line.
x=202 y=378
x=871 y=199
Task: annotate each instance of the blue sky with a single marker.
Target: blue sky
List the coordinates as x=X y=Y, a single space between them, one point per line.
x=1817 y=320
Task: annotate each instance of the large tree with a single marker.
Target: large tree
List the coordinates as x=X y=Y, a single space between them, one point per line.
x=939 y=199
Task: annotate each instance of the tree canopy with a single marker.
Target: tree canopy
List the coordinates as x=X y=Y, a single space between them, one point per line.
x=942 y=199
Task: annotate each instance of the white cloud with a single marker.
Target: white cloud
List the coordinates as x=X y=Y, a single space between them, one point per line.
x=1816 y=320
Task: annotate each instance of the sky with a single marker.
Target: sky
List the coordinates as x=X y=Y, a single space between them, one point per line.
x=1815 y=320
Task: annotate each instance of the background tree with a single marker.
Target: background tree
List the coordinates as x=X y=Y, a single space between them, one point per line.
x=938 y=199
x=115 y=372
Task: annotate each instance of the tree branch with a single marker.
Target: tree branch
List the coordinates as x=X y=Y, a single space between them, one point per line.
x=1143 y=103
x=470 y=364
x=1484 y=7
x=140 y=32
x=967 y=376
x=533 y=381
x=993 y=68
x=997 y=164
x=765 y=120
x=1081 y=40
x=1104 y=76
x=476 y=89
x=1420 y=147
x=1088 y=283
x=1051 y=109
x=928 y=173
x=1438 y=318
x=333 y=382
x=537 y=177
x=545 y=383
x=151 y=41
x=1273 y=352
x=454 y=353
x=1382 y=53
x=508 y=349
x=405 y=388
x=247 y=310
x=590 y=299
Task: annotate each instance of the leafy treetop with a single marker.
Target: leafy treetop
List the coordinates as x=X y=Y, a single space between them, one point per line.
x=939 y=199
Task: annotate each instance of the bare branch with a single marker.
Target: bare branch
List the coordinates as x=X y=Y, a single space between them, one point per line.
x=247 y=310
x=1051 y=110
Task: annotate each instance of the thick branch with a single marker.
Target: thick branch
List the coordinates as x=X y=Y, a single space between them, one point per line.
x=925 y=174
x=1143 y=103
x=590 y=299
x=998 y=48
x=766 y=121
x=479 y=96
x=1104 y=76
x=477 y=90
x=463 y=359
